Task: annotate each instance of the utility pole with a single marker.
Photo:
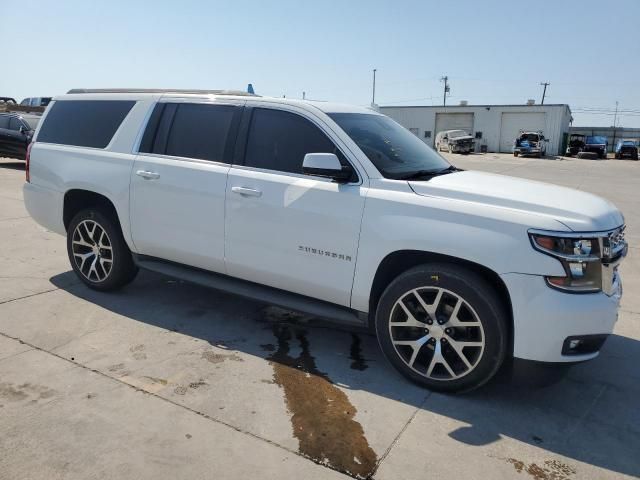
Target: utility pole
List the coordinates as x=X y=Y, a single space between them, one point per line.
x=544 y=92
x=445 y=79
x=373 y=97
x=615 y=118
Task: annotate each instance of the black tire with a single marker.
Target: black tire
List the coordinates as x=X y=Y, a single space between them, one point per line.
x=477 y=293
x=122 y=271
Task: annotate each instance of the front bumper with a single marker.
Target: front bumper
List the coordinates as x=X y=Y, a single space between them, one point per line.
x=544 y=318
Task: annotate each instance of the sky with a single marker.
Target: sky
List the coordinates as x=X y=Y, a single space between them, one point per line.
x=493 y=51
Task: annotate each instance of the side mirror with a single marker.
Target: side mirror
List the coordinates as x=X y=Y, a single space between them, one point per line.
x=22 y=129
x=325 y=165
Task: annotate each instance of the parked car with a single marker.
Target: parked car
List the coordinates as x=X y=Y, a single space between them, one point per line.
x=576 y=144
x=16 y=132
x=597 y=144
x=454 y=141
x=627 y=148
x=36 y=101
x=454 y=270
x=530 y=143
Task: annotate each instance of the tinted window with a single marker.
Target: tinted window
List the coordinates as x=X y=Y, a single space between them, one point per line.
x=279 y=141
x=395 y=151
x=4 y=121
x=15 y=124
x=200 y=131
x=84 y=123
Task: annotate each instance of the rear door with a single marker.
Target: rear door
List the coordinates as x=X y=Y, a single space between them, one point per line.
x=17 y=140
x=178 y=182
x=5 y=135
x=285 y=229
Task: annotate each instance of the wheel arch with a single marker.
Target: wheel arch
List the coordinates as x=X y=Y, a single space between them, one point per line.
x=78 y=199
x=397 y=262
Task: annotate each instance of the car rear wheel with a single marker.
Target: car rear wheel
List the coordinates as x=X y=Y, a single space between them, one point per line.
x=98 y=252
x=443 y=327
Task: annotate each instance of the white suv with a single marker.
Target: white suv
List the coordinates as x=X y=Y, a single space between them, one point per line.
x=333 y=210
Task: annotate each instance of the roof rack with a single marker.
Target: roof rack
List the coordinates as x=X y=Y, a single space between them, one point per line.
x=162 y=90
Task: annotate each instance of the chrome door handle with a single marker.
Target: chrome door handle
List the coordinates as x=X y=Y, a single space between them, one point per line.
x=147 y=175
x=246 y=192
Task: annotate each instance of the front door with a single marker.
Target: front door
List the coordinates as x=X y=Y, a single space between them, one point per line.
x=178 y=183
x=288 y=230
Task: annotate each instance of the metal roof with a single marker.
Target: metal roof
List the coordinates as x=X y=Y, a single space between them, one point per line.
x=475 y=106
x=162 y=90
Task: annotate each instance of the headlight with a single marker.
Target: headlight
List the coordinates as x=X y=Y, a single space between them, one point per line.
x=580 y=258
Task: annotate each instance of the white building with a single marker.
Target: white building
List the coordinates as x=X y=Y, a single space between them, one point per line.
x=493 y=126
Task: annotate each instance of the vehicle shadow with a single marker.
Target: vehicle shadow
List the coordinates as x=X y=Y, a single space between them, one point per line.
x=591 y=415
x=12 y=164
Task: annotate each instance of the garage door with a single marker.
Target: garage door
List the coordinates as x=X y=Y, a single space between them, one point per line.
x=454 y=121
x=513 y=123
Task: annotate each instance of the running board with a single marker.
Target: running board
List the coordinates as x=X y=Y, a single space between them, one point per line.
x=255 y=291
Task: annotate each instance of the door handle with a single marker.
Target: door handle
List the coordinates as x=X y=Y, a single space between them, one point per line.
x=147 y=175
x=246 y=192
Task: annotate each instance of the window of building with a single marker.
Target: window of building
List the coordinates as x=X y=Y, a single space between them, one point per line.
x=478 y=135
x=427 y=134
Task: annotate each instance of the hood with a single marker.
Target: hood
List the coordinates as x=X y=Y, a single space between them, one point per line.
x=579 y=211
x=463 y=138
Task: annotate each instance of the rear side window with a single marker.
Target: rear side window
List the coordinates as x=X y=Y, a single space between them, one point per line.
x=84 y=123
x=4 y=121
x=191 y=130
x=279 y=141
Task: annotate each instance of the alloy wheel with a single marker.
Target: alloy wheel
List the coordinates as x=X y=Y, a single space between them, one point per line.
x=92 y=251
x=436 y=333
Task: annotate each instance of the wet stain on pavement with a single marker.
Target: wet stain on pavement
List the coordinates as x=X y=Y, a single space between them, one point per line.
x=322 y=415
x=358 y=362
x=15 y=393
x=552 y=469
x=138 y=352
x=214 y=357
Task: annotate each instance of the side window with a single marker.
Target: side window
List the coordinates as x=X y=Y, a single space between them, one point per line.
x=14 y=123
x=200 y=131
x=279 y=140
x=4 y=121
x=191 y=130
x=84 y=123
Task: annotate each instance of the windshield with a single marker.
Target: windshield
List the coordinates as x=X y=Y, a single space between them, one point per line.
x=531 y=137
x=596 y=140
x=394 y=150
x=457 y=133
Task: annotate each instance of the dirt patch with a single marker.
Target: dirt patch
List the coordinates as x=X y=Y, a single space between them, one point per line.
x=15 y=393
x=322 y=415
x=161 y=381
x=552 y=469
x=214 y=357
x=138 y=352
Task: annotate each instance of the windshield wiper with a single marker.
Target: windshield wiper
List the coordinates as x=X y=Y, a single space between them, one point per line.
x=428 y=174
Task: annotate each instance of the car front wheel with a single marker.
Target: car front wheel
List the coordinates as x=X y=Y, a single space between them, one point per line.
x=443 y=327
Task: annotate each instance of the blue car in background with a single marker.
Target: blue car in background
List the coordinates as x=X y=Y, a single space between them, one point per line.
x=627 y=148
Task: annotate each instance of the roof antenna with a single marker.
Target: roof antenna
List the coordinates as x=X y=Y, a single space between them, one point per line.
x=250 y=89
